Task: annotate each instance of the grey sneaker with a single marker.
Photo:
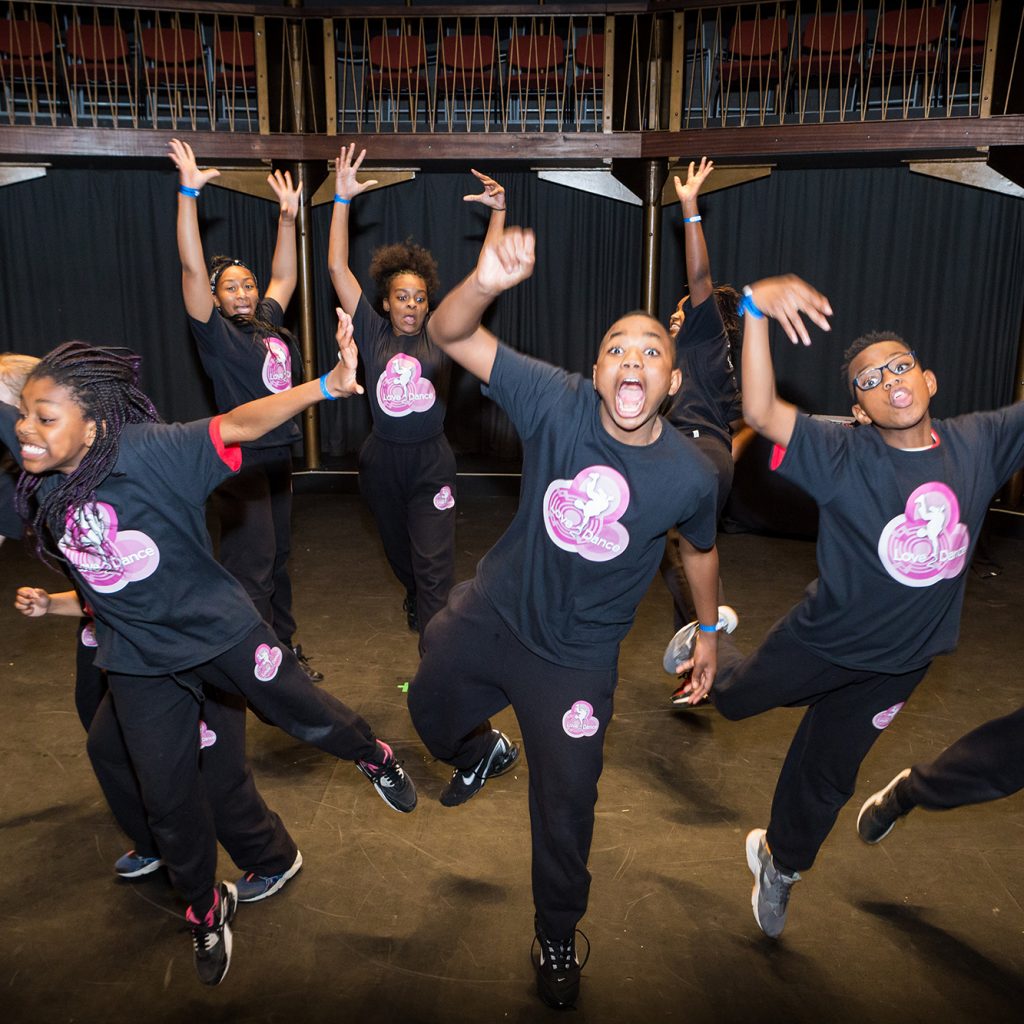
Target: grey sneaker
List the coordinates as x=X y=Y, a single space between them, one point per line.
x=500 y=756
x=680 y=647
x=880 y=812
x=252 y=888
x=770 y=896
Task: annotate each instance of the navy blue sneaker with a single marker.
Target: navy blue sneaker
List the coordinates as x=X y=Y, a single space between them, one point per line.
x=135 y=865
x=252 y=887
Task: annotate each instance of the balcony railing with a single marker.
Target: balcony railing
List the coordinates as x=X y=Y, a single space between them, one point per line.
x=608 y=68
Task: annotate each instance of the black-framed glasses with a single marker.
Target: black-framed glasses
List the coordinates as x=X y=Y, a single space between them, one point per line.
x=869 y=379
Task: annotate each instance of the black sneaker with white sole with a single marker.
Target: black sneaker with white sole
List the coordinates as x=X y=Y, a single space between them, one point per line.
x=500 y=756
x=393 y=786
x=211 y=936
x=881 y=811
x=558 y=969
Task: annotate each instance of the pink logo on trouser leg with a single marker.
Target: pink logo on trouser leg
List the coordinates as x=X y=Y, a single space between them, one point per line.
x=579 y=720
x=884 y=718
x=444 y=499
x=207 y=737
x=268 y=661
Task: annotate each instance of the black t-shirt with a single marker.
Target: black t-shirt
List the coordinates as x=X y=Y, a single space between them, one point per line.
x=406 y=378
x=709 y=399
x=569 y=572
x=896 y=533
x=244 y=367
x=140 y=553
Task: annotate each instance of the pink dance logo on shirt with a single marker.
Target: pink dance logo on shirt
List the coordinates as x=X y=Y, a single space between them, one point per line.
x=579 y=720
x=106 y=559
x=884 y=718
x=277 y=366
x=89 y=635
x=268 y=661
x=401 y=388
x=207 y=737
x=580 y=514
x=927 y=543
x=444 y=499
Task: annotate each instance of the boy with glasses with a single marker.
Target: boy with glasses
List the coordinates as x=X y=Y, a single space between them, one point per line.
x=902 y=500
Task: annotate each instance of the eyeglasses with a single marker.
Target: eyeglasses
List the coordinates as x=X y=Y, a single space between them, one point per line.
x=869 y=379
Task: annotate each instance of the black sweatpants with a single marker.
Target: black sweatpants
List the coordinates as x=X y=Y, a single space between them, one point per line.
x=847 y=709
x=159 y=718
x=671 y=569
x=410 y=489
x=473 y=667
x=985 y=764
x=255 y=511
x=254 y=836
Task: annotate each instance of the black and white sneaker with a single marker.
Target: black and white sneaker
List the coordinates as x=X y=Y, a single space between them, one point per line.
x=396 y=789
x=500 y=756
x=311 y=673
x=680 y=647
x=881 y=811
x=211 y=937
x=558 y=969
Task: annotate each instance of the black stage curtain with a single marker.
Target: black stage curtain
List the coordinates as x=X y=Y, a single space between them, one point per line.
x=90 y=253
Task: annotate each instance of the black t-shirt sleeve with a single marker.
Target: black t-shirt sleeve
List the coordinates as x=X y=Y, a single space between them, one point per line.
x=188 y=457
x=815 y=456
x=527 y=389
x=1000 y=434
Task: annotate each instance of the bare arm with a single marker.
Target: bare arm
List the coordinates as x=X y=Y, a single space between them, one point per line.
x=782 y=299
x=284 y=271
x=34 y=602
x=493 y=196
x=251 y=421
x=698 y=265
x=455 y=325
x=346 y=187
x=195 y=283
x=701 y=568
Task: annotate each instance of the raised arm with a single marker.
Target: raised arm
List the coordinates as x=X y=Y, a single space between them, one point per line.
x=698 y=265
x=195 y=282
x=493 y=196
x=251 y=421
x=782 y=299
x=346 y=188
x=455 y=325
x=284 y=271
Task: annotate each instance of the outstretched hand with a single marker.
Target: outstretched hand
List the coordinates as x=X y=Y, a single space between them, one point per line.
x=700 y=669
x=785 y=298
x=32 y=601
x=184 y=159
x=341 y=381
x=493 y=194
x=694 y=180
x=346 y=184
x=288 y=195
x=507 y=261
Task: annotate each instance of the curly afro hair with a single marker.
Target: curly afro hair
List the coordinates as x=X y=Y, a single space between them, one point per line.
x=405 y=257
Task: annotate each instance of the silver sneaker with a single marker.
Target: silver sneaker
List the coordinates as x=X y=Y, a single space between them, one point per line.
x=680 y=647
x=770 y=895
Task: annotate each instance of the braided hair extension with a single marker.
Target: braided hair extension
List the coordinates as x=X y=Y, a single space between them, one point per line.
x=259 y=323
x=104 y=382
x=405 y=257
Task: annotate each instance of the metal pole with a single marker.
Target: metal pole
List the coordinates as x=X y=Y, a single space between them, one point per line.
x=655 y=175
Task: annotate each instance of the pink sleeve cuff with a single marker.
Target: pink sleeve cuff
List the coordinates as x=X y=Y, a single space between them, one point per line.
x=778 y=454
x=230 y=454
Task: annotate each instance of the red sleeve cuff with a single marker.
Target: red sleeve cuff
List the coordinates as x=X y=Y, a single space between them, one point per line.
x=231 y=455
x=778 y=454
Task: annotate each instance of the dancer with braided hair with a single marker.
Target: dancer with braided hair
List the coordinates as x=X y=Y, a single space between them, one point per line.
x=117 y=497
x=247 y=353
x=406 y=466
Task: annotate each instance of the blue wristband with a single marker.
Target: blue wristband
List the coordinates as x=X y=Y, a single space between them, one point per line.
x=192 y=193
x=692 y=220
x=323 y=388
x=707 y=629
x=342 y=199
x=747 y=304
